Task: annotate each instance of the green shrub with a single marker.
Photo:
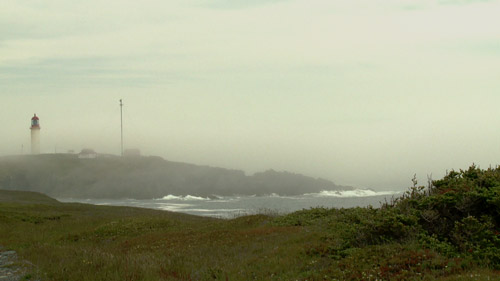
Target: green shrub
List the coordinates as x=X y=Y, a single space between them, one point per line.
x=459 y=214
x=384 y=225
x=479 y=239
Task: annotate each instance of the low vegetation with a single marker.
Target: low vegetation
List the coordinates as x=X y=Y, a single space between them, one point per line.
x=448 y=230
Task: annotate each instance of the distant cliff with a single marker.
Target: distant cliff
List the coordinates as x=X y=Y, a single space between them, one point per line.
x=65 y=175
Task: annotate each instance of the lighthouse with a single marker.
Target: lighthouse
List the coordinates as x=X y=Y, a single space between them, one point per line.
x=35 y=135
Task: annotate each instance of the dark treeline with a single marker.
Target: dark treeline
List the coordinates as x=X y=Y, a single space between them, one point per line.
x=65 y=175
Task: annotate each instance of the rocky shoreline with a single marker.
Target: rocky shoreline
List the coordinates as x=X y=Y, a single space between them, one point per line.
x=10 y=267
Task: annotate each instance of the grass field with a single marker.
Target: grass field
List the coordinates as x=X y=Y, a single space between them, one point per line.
x=67 y=241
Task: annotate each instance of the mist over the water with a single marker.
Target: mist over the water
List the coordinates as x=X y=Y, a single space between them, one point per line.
x=94 y=175
x=361 y=93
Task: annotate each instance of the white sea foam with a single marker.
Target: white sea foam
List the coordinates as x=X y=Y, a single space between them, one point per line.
x=352 y=193
x=185 y=198
x=190 y=197
x=224 y=199
x=170 y=197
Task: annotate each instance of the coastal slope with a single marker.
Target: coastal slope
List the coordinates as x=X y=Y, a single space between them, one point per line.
x=107 y=176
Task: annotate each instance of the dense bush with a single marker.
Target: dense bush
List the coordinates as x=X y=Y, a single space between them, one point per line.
x=457 y=216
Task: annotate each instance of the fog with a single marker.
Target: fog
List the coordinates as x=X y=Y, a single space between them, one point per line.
x=365 y=94
x=133 y=177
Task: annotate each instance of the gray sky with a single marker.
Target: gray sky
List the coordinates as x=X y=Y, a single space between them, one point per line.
x=364 y=93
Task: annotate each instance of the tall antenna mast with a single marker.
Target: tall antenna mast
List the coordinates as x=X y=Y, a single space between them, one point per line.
x=121 y=125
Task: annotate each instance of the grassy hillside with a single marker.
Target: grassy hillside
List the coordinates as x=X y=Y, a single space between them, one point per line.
x=446 y=231
x=65 y=175
x=25 y=197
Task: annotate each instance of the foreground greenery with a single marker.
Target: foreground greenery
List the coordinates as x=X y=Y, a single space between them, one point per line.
x=448 y=230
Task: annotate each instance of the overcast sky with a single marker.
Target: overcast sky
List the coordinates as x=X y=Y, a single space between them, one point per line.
x=364 y=93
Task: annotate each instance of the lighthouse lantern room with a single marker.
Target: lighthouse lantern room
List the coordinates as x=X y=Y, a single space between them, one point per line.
x=35 y=135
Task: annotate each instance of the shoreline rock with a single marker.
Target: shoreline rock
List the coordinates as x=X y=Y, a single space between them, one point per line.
x=10 y=268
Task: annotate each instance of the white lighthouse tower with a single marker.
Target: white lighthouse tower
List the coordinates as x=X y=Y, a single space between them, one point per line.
x=35 y=135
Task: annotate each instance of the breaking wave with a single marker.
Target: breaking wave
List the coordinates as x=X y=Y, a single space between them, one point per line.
x=353 y=193
x=323 y=194
x=184 y=198
x=239 y=205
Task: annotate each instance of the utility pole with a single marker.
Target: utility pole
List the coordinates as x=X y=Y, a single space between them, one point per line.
x=121 y=125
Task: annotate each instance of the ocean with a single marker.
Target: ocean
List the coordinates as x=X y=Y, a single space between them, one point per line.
x=235 y=206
